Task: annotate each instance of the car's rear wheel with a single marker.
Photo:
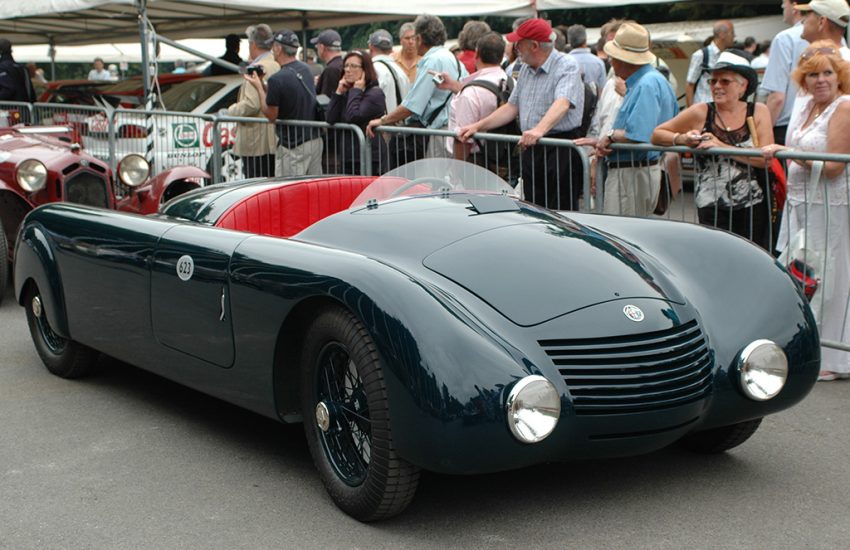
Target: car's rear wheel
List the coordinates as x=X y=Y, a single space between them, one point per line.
x=4 y=262
x=61 y=356
x=347 y=422
x=720 y=439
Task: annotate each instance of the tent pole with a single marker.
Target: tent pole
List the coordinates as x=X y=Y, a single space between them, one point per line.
x=304 y=24
x=51 y=52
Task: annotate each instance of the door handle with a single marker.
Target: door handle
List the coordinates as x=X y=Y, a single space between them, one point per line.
x=221 y=317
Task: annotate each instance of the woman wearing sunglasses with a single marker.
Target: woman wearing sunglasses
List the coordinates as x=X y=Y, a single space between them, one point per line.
x=729 y=191
x=358 y=99
x=818 y=194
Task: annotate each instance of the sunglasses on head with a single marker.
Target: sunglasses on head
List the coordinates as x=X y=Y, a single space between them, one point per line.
x=811 y=52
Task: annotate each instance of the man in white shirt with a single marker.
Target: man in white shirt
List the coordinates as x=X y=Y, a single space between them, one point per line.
x=391 y=78
x=99 y=72
x=697 y=89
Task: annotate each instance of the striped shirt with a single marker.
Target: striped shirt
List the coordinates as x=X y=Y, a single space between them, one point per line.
x=536 y=89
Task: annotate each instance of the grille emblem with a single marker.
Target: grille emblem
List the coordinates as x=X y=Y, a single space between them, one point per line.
x=634 y=313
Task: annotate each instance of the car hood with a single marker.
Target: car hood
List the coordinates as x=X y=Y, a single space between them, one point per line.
x=534 y=272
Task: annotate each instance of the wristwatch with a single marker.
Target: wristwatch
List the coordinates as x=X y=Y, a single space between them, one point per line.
x=610 y=135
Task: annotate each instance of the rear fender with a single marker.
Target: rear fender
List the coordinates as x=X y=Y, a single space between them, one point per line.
x=35 y=261
x=147 y=198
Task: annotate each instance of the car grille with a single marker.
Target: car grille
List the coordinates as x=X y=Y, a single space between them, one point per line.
x=641 y=372
x=87 y=188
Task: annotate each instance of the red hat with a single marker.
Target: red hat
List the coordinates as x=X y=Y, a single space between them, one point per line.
x=534 y=29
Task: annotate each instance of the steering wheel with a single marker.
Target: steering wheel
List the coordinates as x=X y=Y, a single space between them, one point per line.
x=435 y=183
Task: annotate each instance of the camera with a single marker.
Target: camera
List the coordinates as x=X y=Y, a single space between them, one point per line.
x=258 y=69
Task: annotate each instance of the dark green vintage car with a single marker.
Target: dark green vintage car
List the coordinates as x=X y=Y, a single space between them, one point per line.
x=427 y=319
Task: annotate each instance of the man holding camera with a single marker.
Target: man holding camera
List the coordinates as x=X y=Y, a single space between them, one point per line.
x=291 y=96
x=255 y=143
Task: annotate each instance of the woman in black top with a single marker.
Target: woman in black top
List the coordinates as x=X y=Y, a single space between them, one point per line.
x=357 y=100
x=729 y=191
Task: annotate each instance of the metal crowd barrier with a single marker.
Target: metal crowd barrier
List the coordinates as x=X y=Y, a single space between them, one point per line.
x=15 y=112
x=78 y=118
x=554 y=173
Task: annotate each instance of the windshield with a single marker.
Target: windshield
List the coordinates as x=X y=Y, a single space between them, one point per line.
x=185 y=97
x=432 y=177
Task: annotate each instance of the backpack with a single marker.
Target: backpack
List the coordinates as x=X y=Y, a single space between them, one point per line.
x=704 y=68
x=497 y=155
x=590 y=99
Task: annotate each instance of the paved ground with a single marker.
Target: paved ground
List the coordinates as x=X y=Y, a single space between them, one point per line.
x=128 y=460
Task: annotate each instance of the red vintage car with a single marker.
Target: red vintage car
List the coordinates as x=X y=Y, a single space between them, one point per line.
x=41 y=164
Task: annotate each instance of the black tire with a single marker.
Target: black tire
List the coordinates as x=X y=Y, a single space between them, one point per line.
x=62 y=357
x=4 y=262
x=721 y=439
x=354 y=456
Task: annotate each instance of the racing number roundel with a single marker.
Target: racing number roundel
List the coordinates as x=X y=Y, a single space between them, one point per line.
x=185 y=268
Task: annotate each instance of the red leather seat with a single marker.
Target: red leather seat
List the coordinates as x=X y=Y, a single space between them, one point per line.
x=292 y=207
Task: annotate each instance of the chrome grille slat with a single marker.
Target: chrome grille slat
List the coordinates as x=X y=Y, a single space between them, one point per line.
x=641 y=372
x=647 y=345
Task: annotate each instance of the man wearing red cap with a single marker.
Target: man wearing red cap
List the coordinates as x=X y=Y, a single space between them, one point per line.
x=548 y=98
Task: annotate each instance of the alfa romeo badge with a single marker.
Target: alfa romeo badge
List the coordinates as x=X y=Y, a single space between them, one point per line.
x=634 y=313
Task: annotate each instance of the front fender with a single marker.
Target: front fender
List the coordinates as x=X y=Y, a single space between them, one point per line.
x=36 y=262
x=446 y=374
x=147 y=198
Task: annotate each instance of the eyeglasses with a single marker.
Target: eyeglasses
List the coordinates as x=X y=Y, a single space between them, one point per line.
x=352 y=66
x=721 y=81
x=811 y=52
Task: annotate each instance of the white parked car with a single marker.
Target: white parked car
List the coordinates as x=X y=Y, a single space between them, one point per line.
x=179 y=139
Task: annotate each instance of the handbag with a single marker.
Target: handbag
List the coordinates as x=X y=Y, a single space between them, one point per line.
x=665 y=192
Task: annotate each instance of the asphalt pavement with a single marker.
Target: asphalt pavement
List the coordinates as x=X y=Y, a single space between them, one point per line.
x=127 y=460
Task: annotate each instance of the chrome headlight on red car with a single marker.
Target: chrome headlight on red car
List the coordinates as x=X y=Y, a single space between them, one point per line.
x=133 y=170
x=31 y=175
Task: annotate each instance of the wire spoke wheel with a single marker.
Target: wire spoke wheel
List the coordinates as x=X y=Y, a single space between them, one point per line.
x=348 y=440
x=61 y=356
x=347 y=419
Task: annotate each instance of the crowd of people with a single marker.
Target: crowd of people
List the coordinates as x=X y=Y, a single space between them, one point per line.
x=542 y=82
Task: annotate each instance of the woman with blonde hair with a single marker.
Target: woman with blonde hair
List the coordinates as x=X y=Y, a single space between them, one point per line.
x=816 y=215
x=729 y=191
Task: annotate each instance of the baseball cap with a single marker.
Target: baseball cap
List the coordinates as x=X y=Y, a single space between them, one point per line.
x=836 y=11
x=328 y=37
x=287 y=38
x=534 y=29
x=381 y=39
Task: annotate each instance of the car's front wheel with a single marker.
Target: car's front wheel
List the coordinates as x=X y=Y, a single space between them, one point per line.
x=61 y=356
x=346 y=419
x=720 y=439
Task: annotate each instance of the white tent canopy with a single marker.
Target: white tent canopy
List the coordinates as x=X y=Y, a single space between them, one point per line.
x=126 y=52
x=96 y=21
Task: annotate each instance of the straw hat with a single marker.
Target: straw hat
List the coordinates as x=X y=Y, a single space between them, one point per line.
x=631 y=45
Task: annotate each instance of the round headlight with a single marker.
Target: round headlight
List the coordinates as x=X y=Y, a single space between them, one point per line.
x=31 y=175
x=763 y=369
x=133 y=170
x=533 y=409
